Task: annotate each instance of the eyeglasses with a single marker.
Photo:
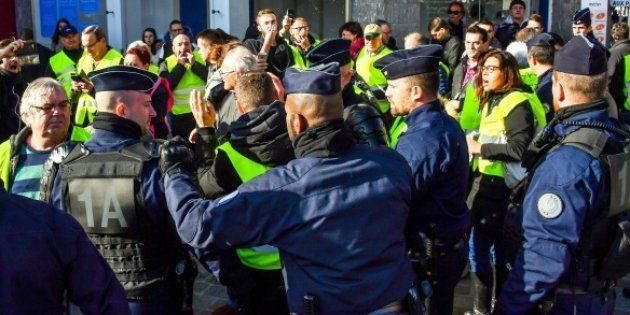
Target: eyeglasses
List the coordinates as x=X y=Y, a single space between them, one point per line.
x=453 y=12
x=489 y=69
x=47 y=108
x=306 y=28
x=224 y=74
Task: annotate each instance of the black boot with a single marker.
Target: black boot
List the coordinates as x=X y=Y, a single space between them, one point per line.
x=482 y=293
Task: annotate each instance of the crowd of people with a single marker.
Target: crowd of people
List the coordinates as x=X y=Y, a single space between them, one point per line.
x=317 y=176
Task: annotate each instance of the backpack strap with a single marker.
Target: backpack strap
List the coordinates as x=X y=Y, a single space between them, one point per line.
x=591 y=140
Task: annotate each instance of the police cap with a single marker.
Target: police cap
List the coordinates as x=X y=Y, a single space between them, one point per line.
x=123 y=78
x=331 y=50
x=582 y=16
x=404 y=63
x=581 y=56
x=324 y=79
x=542 y=39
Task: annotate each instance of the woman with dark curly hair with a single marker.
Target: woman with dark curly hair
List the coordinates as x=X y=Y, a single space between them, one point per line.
x=510 y=117
x=354 y=32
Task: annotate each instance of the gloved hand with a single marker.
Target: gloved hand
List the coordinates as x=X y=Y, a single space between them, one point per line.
x=175 y=155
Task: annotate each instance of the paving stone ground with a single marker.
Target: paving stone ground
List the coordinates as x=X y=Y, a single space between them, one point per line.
x=209 y=295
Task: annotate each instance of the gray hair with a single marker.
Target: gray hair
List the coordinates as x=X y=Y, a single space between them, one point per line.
x=37 y=91
x=519 y=51
x=240 y=59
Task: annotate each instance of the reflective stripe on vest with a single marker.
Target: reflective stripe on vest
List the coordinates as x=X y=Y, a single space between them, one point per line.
x=63 y=67
x=492 y=128
x=626 y=77
x=372 y=76
x=398 y=128
x=264 y=257
x=445 y=68
x=188 y=82
x=86 y=107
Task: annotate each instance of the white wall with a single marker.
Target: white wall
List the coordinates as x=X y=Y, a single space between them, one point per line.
x=239 y=17
x=115 y=23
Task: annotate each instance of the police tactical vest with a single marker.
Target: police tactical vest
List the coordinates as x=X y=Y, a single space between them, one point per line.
x=606 y=242
x=398 y=128
x=103 y=191
x=188 y=82
x=492 y=130
x=372 y=76
x=86 y=107
x=264 y=257
x=63 y=67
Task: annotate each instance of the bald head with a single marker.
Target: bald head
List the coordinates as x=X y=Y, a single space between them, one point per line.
x=132 y=105
x=181 y=44
x=308 y=110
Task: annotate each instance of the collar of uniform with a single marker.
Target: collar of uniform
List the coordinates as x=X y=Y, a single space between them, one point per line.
x=545 y=74
x=417 y=113
x=596 y=111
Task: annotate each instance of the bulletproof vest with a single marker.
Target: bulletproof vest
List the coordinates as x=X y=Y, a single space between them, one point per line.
x=103 y=191
x=606 y=241
x=366 y=124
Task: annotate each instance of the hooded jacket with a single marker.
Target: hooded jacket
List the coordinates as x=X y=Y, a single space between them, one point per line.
x=260 y=135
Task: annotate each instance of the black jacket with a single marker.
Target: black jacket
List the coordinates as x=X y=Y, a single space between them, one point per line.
x=11 y=88
x=453 y=49
x=457 y=90
x=260 y=135
x=279 y=57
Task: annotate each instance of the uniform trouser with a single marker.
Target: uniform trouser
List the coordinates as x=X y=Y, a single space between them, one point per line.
x=165 y=302
x=448 y=269
x=181 y=125
x=268 y=295
x=568 y=304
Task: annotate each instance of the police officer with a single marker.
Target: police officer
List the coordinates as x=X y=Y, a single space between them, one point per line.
x=258 y=141
x=566 y=196
x=46 y=253
x=540 y=53
x=435 y=147
x=98 y=56
x=336 y=213
x=360 y=113
x=112 y=186
x=64 y=63
x=185 y=70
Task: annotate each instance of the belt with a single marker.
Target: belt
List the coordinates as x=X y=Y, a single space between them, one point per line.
x=393 y=307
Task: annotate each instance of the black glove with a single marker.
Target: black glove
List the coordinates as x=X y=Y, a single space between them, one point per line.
x=175 y=155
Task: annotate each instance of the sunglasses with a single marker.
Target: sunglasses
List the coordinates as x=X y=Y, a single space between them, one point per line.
x=453 y=12
x=371 y=37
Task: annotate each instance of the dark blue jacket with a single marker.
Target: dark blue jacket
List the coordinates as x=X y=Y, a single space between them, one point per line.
x=338 y=223
x=152 y=192
x=44 y=252
x=435 y=147
x=543 y=91
x=566 y=195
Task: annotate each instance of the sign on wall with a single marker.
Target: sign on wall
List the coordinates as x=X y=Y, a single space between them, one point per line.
x=599 y=18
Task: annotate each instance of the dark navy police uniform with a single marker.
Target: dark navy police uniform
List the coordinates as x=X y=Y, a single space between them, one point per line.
x=336 y=213
x=566 y=196
x=45 y=253
x=435 y=148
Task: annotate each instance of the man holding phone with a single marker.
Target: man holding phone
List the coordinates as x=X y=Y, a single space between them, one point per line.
x=64 y=63
x=185 y=70
x=12 y=86
x=270 y=48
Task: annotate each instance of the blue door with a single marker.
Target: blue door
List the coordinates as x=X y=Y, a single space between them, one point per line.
x=194 y=15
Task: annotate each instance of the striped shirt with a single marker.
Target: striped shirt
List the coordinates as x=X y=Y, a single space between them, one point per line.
x=29 y=171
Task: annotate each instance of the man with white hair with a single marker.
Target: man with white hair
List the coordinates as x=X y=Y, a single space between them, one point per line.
x=46 y=111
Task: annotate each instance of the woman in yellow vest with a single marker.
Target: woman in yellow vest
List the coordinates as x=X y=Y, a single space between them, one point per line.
x=508 y=124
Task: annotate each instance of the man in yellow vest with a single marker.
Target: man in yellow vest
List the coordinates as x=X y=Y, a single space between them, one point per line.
x=258 y=142
x=300 y=41
x=372 y=51
x=98 y=56
x=64 y=63
x=185 y=70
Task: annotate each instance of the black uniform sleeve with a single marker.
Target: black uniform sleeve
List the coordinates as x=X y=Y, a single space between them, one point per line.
x=200 y=70
x=519 y=125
